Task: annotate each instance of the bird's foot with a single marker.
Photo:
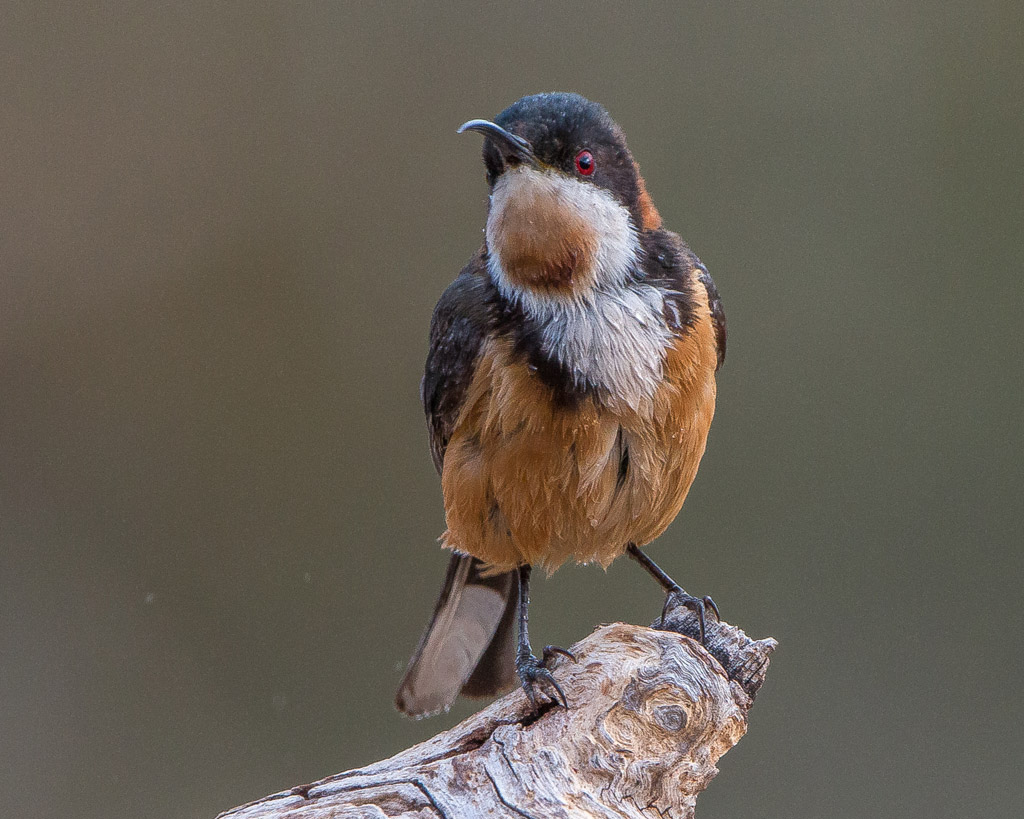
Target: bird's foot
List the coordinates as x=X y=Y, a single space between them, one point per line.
x=698 y=605
x=537 y=679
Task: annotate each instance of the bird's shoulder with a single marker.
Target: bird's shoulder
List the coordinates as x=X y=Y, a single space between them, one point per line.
x=674 y=268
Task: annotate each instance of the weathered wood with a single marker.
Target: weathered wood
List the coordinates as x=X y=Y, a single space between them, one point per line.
x=651 y=711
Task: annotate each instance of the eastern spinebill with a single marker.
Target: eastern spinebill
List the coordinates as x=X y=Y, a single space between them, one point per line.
x=569 y=389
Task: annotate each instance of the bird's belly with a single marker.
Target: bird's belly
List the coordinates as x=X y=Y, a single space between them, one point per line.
x=526 y=481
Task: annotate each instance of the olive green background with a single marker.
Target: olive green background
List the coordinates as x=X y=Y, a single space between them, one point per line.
x=224 y=229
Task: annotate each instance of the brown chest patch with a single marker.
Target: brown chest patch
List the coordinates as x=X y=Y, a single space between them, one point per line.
x=527 y=481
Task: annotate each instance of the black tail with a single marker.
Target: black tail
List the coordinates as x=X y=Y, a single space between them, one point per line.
x=468 y=645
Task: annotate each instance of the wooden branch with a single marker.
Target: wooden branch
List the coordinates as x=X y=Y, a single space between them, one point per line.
x=651 y=711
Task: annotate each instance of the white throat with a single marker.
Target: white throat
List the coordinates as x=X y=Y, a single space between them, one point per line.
x=616 y=243
x=610 y=332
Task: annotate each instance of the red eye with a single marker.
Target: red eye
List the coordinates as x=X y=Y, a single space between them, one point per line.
x=585 y=163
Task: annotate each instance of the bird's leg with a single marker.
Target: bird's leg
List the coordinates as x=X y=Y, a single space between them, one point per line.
x=673 y=591
x=533 y=672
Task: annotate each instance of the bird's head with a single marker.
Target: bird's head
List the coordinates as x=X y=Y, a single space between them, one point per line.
x=567 y=198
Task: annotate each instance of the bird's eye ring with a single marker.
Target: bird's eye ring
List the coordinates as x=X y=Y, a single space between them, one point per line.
x=585 y=163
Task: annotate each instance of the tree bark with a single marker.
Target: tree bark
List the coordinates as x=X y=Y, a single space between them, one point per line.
x=650 y=712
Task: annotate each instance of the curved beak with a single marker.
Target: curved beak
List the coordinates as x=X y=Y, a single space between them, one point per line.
x=508 y=143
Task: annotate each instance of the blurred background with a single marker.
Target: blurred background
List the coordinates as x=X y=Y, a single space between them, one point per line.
x=224 y=230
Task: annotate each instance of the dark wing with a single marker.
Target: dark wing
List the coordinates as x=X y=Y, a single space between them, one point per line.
x=467 y=646
x=671 y=265
x=457 y=330
x=717 y=311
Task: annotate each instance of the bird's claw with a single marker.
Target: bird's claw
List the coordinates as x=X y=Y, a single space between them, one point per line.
x=535 y=675
x=552 y=651
x=699 y=606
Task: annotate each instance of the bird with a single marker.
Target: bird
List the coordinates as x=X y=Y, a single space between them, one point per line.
x=569 y=389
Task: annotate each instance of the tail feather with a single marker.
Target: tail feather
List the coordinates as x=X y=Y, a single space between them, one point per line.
x=468 y=644
x=495 y=673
